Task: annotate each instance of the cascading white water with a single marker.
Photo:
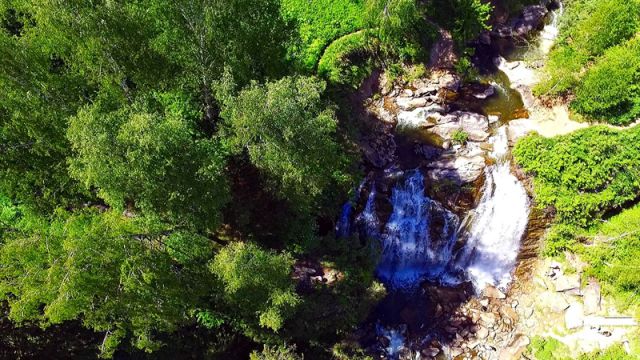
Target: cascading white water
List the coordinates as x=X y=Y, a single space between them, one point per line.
x=550 y=31
x=395 y=338
x=493 y=241
x=418 y=239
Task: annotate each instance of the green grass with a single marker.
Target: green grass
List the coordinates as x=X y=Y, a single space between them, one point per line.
x=552 y=349
x=614 y=256
x=319 y=23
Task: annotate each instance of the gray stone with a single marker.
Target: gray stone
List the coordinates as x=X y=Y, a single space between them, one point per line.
x=592 y=298
x=488 y=92
x=458 y=169
x=564 y=283
x=406 y=103
x=532 y=19
x=574 y=316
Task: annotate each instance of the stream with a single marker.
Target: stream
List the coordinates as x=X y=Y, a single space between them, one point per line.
x=424 y=242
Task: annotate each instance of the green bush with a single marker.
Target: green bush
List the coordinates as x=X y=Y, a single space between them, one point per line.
x=605 y=24
x=548 y=349
x=460 y=137
x=595 y=56
x=615 y=257
x=609 y=91
x=342 y=62
x=584 y=174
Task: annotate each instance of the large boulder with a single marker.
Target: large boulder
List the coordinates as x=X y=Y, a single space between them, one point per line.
x=422 y=117
x=532 y=19
x=456 y=169
x=475 y=125
x=410 y=103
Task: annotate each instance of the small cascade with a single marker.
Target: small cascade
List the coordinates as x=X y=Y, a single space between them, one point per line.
x=493 y=241
x=343 y=225
x=395 y=339
x=368 y=221
x=418 y=239
x=550 y=32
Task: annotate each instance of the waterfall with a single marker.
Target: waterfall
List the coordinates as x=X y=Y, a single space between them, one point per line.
x=343 y=225
x=395 y=338
x=490 y=252
x=367 y=221
x=550 y=31
x=418 y=239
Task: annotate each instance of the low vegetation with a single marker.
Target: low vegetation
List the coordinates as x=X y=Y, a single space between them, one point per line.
x=596 y=60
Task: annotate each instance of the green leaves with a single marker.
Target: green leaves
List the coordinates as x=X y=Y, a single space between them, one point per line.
x=156 y=163
x=584 y=174
x=289 y=133
x=257 y=284
x=120 y=276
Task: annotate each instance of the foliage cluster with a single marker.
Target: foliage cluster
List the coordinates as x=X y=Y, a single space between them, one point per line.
x=585 y=174
x=319 y=23
x=596 y=59
x=550 y=348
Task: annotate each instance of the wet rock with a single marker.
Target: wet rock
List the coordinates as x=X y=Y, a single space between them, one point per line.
x=493 y=292
x=475 y=125
x=427 y=89
x=515 y=349
x=574 y=316
x=493 y=119
x=488 y=92
x=456 y=169
x=422 y=117
x=408 y=103
x=532 y=18
x=430 y=353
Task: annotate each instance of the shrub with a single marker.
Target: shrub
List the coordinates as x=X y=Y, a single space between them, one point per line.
x=342 y=61
x=607 y=24
x=609 y=90
x=584 y=174
x=319 y=22
x=460 y=137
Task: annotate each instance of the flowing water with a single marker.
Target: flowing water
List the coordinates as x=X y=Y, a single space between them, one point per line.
x=497 y=224
x=424 y=241
x=418 y=239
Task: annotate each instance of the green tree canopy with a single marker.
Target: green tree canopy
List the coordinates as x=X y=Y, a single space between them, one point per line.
x=156 y=162
x=257 y=286
x=124 y=277
x=289 y=132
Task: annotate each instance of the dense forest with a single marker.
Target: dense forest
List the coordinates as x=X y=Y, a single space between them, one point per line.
x=172 y=173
